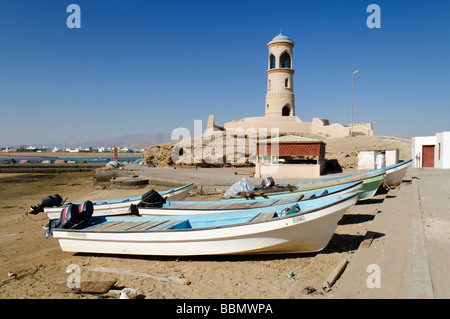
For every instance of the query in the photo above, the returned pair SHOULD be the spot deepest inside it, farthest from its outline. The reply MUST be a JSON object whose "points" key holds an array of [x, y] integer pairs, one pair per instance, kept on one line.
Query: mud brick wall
{"points": [[293, 149]]}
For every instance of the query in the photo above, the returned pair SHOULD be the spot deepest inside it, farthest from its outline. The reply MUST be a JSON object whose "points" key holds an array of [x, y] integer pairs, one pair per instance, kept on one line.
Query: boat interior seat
{"points": [[264, 216], [308, 197], [131, 226], [171, 224]]}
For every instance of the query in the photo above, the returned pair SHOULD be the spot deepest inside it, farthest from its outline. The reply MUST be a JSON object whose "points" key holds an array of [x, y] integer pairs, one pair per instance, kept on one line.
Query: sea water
{"points": [[74, 159]]}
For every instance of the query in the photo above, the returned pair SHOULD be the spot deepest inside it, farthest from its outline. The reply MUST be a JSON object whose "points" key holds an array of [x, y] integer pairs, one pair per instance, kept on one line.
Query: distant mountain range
{"points": [[132, 141]]}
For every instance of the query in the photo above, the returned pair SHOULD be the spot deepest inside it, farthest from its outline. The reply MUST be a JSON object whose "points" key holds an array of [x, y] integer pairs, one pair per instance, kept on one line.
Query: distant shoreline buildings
{"points": [[80, 149]]}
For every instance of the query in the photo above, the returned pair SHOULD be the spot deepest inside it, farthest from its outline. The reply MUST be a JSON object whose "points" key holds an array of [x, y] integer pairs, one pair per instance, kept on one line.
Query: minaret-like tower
{"points": [[280, 88]]}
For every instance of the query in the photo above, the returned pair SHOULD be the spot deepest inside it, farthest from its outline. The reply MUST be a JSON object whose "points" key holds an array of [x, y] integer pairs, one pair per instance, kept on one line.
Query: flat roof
{"points": [[291, 139]]}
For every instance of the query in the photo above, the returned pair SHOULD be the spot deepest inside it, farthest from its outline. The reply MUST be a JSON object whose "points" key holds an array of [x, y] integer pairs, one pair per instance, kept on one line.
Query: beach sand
{"points": [[24, 250], [41, 266]]}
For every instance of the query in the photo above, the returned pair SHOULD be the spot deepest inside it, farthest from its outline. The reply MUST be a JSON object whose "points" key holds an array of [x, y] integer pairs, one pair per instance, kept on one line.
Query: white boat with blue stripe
{"points": [[120, 206], [172, 208], [302, 227]]}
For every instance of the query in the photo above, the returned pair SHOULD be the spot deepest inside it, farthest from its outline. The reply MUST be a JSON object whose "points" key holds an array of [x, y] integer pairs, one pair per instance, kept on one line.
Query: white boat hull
{"points": [[122, 208], [395, 175], [296, 233]]}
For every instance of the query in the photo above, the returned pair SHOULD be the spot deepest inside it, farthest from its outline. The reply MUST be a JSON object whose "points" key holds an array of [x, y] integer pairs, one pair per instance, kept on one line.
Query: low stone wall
{"points": [[48, 168]]}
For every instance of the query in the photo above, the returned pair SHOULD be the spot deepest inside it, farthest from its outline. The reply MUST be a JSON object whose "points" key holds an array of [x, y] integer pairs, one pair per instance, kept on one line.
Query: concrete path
{"points": [[409, 255], [434, 195]]}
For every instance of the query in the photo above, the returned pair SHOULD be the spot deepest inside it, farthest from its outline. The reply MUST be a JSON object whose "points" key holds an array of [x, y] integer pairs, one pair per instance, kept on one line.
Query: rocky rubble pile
{"points": [[221, 151]]}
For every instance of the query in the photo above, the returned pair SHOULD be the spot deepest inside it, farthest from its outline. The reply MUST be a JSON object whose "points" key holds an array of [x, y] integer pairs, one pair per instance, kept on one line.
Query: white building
{"points": [[431, 151]]}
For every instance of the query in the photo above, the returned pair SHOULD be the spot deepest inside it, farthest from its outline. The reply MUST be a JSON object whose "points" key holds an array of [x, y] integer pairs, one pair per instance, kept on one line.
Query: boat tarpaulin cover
{"points": [[243, 185]]}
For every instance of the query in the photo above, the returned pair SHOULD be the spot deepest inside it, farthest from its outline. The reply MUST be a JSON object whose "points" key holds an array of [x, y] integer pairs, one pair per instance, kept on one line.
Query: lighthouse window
{"points": [[285, 60], [272, 61]]}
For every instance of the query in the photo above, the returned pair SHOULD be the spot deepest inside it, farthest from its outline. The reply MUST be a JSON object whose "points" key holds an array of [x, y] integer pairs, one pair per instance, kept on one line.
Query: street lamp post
{"points": [[351, 123]]}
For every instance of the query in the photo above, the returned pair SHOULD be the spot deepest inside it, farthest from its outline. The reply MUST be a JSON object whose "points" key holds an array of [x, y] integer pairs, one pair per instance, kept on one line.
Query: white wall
{"points": [[391, 157], [416, 148], [442, 150], [366, 160], [298, 171]]}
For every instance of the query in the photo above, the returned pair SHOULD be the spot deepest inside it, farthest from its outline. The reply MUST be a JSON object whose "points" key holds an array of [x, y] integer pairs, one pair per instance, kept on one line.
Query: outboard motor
{"points": [[49, 201], [72, 217], [151, 199], [267, 182]]}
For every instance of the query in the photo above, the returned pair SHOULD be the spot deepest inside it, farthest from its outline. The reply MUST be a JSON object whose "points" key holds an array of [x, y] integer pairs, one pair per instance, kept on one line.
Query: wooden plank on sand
{"points": [[95, 287], [368, 238]]}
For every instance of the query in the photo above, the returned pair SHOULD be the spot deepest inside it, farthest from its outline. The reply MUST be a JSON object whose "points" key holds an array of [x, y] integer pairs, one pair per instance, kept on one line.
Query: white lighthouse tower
{"points": [[280, 99]]}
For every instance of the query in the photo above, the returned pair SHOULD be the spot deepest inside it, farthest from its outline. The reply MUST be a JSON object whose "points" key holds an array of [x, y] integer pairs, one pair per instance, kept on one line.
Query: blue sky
{"points": [[152, 66]]}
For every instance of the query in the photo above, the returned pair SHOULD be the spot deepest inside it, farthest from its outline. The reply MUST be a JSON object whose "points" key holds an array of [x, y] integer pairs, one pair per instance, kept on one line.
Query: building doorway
{"points": [[286, 111], [428, 156]]}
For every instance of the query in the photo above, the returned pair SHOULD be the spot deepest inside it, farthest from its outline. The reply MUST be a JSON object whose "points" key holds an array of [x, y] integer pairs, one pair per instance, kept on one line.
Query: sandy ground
{"points": [[41, 265]]}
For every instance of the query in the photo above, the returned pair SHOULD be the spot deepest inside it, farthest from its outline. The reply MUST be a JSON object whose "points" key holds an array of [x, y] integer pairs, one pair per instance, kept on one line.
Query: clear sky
{"points": [[152, 66]]}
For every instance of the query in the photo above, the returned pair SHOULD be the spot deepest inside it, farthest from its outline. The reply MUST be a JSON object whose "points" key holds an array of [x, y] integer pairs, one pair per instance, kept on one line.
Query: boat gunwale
{"points": [[399, 166], [173, 190]]}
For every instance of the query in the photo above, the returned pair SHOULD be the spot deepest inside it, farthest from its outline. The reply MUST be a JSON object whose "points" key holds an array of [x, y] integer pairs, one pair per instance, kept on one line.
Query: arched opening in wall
{"points": [[285, 60], [269, 84], [286, 111], [272, 61], [286, 83]]}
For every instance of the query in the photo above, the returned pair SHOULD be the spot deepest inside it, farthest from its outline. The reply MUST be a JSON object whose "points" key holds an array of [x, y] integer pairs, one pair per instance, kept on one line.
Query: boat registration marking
{"points": [[76, 235], [298, 219]]}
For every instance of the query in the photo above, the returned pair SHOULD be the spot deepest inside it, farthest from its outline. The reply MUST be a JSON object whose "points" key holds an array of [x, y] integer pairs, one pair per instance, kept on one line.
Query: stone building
{"points": [[280, 101]]}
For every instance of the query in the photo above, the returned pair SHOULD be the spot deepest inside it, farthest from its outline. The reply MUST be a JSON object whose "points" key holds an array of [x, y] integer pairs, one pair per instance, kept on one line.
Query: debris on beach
{"points": [[113, 165], [21, 274], [128, 293], [333, 277], [291, 276], [308, 290], [178, 280], [95, 287]]}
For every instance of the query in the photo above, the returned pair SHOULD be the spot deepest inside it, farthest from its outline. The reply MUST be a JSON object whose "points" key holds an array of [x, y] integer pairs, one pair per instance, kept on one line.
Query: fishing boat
{"points": [[371, 182], [303, 227], [173, 208], [395, 173], [120, 206]]}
